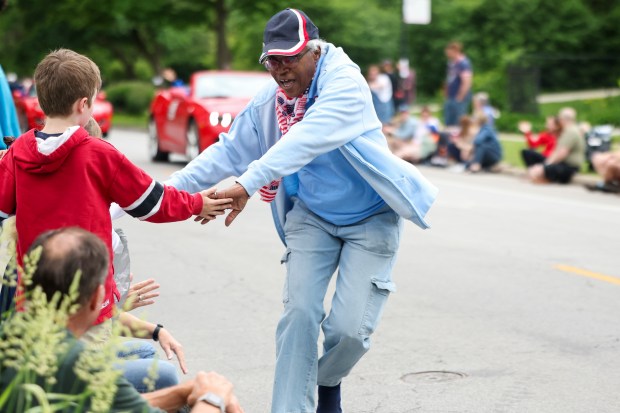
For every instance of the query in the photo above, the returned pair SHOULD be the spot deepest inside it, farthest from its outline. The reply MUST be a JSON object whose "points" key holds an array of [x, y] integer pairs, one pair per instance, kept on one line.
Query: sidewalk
{"points": [[577, 95]]}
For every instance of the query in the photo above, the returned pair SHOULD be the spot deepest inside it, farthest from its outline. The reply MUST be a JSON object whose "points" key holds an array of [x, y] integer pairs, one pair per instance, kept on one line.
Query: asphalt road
{"points": [[510, 303]]}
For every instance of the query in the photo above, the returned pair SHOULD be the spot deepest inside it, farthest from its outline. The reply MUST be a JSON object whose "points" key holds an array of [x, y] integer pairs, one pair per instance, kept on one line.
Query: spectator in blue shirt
{"points": [[487, 149], [458, 84]]}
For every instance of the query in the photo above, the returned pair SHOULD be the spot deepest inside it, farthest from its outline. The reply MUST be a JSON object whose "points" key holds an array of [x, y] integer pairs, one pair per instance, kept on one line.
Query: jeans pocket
{"points": [[382, 234], [284, 260], [379, 293]]}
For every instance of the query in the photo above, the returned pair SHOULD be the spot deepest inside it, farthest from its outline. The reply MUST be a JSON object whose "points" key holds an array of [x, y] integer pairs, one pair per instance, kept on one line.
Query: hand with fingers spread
{"points": [[239, 197], [141, 294], [213, 205]]}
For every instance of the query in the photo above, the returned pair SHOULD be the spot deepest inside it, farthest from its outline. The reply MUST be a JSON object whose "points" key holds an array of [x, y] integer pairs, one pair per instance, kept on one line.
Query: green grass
{"points": [[512, 152], [594, 111], [126, 120]]}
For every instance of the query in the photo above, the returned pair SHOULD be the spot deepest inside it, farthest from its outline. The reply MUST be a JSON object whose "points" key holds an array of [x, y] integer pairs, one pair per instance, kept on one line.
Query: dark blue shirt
{"points": [[455, 70]]}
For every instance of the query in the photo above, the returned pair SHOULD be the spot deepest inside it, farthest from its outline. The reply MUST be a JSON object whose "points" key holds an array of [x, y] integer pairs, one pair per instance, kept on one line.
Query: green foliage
{"points": [[594, 111], [143, 70], [33, 343], [507, 122], [574, 43], [35, 348], [132, 97]]}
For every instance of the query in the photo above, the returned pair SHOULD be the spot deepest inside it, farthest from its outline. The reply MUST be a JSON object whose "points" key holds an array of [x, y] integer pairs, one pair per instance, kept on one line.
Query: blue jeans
{"points": [[486, 155], [364, 253], [453, 110], [138, 357]]}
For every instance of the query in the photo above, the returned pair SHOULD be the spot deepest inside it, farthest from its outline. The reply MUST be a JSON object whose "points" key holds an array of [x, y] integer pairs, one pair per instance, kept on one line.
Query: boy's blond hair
{"points": [[62, 78], [93, 128]]}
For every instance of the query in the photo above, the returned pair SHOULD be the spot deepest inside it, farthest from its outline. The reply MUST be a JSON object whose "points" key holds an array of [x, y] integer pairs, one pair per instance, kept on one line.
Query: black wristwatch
{"points": [[214, 400], [156, 332]]}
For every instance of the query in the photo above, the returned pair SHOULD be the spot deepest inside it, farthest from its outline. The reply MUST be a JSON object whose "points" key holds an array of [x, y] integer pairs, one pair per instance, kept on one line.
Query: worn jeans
{"points": [[364, 254], [140, 357]]}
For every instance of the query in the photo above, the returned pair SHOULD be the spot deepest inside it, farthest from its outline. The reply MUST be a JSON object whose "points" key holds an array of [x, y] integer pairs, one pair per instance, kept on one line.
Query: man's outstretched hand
{"points": [[239, 198], [234, 198]]}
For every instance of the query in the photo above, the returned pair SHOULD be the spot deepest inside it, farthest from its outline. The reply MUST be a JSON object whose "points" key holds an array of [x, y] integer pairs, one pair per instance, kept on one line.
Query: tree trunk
{"points": [[223, 52], [125, 60], [148, 48]]}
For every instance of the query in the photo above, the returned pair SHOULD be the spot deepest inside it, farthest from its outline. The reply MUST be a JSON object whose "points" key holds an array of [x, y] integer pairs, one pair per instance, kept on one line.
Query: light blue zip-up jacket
{"points": [[341, 116]]}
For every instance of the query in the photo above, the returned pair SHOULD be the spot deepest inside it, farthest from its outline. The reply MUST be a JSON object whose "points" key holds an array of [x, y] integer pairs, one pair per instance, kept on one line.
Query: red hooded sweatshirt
{"points": [[71, 180]]}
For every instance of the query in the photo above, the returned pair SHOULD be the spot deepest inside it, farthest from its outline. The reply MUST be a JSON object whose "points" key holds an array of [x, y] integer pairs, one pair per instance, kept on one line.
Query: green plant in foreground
{"points": [[33, 344]]}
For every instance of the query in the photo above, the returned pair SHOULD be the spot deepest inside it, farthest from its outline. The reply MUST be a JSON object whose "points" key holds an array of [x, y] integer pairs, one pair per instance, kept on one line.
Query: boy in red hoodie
{"points": [[60, 176]]}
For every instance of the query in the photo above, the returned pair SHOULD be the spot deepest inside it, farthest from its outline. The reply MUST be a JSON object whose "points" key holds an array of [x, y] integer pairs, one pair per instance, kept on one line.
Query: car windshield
{"points": [[229, 85]]}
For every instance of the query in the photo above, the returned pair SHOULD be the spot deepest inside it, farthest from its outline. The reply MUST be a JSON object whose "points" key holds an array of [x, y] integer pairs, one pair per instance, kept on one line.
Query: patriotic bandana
{"points": [[289, 112]]}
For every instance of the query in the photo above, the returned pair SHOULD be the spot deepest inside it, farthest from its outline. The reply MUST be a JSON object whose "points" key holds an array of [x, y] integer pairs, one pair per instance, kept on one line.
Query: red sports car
{"points": [[31, 116], [186, 120]]}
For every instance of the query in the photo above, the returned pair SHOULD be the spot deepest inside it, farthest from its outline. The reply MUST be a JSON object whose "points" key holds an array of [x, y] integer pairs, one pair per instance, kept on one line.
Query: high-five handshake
{"points": [[217, 202]]}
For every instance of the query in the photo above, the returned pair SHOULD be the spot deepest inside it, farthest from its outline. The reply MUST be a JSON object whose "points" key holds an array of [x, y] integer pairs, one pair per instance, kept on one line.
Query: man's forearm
{"points": [[465, 86], [170, 399]]}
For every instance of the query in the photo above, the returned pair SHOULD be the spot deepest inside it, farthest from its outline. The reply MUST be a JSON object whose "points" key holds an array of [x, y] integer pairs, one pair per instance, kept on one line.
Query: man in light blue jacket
{"points": [[311, 144]]}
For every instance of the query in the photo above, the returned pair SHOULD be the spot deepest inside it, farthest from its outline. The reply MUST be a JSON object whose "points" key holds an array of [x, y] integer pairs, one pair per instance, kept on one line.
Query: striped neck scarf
{"points": [[289, 112]]}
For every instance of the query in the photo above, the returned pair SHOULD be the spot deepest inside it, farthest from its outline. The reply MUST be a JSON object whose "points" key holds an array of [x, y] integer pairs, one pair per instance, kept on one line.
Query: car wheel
{"points": [[155, 152], [192, 150]]}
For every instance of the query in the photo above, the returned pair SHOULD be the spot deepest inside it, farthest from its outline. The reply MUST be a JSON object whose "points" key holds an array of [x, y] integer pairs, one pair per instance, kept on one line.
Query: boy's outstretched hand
{"points": [[212, 206]]}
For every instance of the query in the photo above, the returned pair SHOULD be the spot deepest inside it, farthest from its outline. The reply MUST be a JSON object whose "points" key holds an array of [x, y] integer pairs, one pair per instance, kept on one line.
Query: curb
{"points": [[578, 179]]}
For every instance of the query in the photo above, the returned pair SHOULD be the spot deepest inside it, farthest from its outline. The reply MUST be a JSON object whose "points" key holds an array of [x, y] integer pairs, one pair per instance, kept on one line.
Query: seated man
{"points": [[63, 253], [568, 156]]}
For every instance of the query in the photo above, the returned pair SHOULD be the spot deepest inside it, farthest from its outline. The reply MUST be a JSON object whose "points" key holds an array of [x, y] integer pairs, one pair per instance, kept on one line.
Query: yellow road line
{"points": [[589, 274]]}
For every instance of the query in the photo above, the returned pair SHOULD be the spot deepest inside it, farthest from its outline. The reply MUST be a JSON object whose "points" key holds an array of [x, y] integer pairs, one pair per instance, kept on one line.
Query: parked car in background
{"points": [[188, 119], [31, 115]]}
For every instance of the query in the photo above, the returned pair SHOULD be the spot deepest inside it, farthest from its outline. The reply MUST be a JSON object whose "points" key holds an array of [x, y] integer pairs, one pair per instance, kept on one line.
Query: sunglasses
{"points": [[275, 62]]}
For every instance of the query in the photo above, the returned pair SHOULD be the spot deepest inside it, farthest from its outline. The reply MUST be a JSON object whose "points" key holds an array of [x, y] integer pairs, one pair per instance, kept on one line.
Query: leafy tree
{"points": [[574, 43]]}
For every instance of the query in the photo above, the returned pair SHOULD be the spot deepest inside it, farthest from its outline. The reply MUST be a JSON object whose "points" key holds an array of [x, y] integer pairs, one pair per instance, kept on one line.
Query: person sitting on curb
{"points": [[607, 165], [487, 152], [568, 156], [414, 140], [546, 139], [64, 253]]}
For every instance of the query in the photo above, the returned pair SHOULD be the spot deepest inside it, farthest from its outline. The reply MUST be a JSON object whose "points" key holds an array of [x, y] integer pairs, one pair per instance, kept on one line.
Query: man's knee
{"points": [[302, 313]]}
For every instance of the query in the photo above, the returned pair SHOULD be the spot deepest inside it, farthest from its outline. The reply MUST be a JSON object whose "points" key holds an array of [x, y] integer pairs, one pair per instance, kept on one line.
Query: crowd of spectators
{"points": [[468, 140]]}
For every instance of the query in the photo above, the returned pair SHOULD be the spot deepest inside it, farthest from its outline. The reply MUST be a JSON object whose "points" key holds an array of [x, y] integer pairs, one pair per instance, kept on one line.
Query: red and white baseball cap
{"points": [[287, 33]]}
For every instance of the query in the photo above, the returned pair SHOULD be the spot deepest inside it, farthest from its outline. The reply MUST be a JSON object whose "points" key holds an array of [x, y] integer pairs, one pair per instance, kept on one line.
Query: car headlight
{"points": [[226, 120], [214, 118]]}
